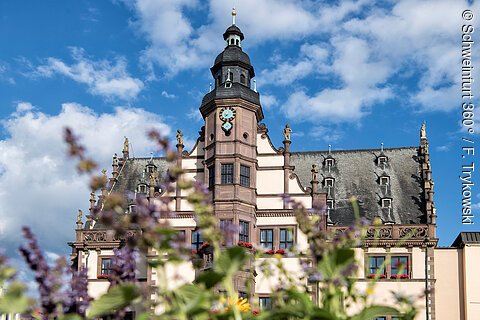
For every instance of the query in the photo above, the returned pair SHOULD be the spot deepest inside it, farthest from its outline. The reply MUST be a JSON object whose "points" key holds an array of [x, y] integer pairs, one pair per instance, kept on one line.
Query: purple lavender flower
{"points": [[123, 266]]}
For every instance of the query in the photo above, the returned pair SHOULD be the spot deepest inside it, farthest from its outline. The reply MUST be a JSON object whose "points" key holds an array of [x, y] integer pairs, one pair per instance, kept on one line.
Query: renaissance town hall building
{"points": [[247, 176]]}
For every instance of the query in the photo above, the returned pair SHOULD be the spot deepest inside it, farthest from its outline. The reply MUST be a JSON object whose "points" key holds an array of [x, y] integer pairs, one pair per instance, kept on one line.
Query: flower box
{"points": [[244, 244], [103, 276], [280, 251], [270, 252], [399, 276], [374, 275]]}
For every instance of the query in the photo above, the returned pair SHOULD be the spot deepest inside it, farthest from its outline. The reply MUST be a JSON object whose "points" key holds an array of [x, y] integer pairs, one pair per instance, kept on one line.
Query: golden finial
{"points": [[234, 13]]}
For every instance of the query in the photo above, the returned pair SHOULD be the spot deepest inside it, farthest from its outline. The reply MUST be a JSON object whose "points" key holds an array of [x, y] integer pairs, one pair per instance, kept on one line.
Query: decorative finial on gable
{"points": [[126, 146], [381, 148], [423, 131], [286, 132], [329, 148], [179, 137]]}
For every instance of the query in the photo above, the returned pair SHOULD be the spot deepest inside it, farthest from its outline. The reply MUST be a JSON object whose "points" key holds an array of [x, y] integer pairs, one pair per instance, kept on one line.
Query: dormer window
{"points": [[382, 160], [142, 188], [131, 208], [384, 181], [386, 203], [330, 204], [329, 182], [329, 162]]}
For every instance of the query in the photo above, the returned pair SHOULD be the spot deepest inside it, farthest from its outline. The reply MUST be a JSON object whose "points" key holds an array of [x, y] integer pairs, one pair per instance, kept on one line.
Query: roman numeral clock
{"points": [[227, 114]]}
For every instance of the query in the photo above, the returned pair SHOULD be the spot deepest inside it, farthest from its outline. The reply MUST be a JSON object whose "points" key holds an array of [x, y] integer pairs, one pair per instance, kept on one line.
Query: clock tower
{"points": [[232, 112]]}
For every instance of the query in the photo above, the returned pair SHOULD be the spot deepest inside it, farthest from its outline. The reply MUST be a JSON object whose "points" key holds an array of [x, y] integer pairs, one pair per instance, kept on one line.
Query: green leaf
{"points": [[375, 311], [210, 278], [118, 297], [344, 256], [194, 298], [70, 316], [13, 300], [231, 260]]}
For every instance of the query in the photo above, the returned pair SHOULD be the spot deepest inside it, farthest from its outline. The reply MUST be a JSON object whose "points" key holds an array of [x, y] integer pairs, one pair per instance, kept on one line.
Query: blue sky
{"points": [[352, 74]]}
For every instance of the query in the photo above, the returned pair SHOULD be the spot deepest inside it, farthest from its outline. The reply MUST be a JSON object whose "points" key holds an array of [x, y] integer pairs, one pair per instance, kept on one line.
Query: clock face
{"points": [[227, 114]]}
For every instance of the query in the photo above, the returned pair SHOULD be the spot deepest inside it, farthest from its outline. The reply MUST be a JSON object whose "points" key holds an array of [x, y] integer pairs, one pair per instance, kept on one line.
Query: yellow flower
{"points": [[241, 303], [370, 290]]}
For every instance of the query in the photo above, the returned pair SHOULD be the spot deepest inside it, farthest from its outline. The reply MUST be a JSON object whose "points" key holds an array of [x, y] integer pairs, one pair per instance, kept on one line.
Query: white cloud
{"points": [[103, 78], [39, 186], [268, 100], [361, 80], [176, 45], [24, 106], [168, 95]]}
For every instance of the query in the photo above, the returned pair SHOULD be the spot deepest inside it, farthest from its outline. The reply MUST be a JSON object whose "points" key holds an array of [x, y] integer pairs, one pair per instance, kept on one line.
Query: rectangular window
{"points": [[265, 303], [400, 265], [211, 176], [286, 238], [105, 266], [266, 239], [226, 227], [376, 264], [244, 176], [227, 173], [244, 231], [197, 239], [381, 318]]}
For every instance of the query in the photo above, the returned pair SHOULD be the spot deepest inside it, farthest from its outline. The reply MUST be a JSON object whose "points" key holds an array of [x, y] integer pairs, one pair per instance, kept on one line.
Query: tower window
{"points": [[286, 238], [227, 173], [197, 240], [242, 79], [244, 231], [237, 42], [266, 238], [244, 176], [211, 176]]}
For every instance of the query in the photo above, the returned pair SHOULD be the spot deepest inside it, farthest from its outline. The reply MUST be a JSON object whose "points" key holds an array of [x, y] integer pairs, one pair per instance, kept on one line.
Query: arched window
{"points": [[237, 42], [242, 79]]}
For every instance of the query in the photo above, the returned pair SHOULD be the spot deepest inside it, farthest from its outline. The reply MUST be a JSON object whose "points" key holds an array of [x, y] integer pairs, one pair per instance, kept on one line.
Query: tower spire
{"points": [[234, 14]]}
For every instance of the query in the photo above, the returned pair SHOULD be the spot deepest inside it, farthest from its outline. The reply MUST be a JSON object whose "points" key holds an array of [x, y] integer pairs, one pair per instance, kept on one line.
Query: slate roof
{"points": [[237, 90], [465, 238], [356, 173], [233, 29], [132, 171], [232, 55]]}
